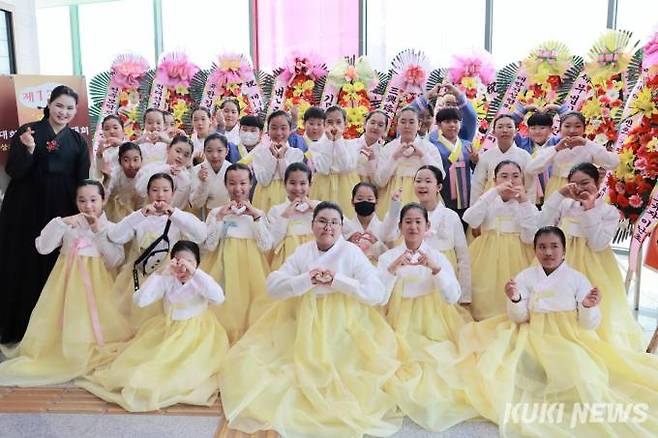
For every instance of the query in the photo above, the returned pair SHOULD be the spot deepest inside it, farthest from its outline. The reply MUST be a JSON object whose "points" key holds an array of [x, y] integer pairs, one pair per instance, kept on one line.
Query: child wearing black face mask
{"points": [[366, 230]]}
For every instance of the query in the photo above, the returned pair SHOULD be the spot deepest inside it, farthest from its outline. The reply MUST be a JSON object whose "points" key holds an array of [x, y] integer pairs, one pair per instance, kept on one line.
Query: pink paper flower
{"points": [[651, 52], [176, 70], [128, 69], [635, 201], [477, 64], [308, 64], [620, 188]]}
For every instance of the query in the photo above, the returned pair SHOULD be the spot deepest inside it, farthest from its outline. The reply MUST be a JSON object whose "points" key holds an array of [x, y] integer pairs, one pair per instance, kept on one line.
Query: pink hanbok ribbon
{"points": [[78, 244]]}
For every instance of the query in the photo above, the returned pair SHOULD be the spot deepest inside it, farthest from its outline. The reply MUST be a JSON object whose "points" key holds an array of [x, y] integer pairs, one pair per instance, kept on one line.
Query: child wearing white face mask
{"points": [[251, 128]]}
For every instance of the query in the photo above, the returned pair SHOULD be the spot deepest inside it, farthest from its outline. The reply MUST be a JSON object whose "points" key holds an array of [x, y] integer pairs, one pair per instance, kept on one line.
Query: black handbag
{"points": [[152, 257]]}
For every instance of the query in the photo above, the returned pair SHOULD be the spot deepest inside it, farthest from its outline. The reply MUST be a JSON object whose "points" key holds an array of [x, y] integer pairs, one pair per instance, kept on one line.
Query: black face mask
{"points": [[364, 208]]}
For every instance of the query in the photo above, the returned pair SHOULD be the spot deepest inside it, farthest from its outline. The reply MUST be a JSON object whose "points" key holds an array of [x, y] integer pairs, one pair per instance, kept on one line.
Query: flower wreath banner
{"points": [[632, 186], [349, 85], [600, 90], [117, 92], [475, 75], [170, 90], [295, 84], [408, 77], [233, 77]]}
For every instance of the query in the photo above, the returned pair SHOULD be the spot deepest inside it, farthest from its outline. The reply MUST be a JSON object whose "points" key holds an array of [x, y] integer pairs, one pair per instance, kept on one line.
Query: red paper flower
{"points": [[52, 146]]}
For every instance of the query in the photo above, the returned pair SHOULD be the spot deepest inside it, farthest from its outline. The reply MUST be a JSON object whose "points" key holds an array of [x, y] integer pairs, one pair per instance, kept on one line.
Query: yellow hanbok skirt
{"points": [[124, 288], [428, 386], [385, 193], [552, 360], [167, 362], [618, 326], [119, 205], [554, 184], [287, 247], [336, 187], [496, 258], [266, 197], [313, 366], [241, 269], [61, 342]]}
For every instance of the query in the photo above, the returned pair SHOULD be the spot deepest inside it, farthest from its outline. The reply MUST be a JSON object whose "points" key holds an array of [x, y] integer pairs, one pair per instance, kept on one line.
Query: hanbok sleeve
{"points": [[322, 155], [478, 179], [124, 231], [469, 118], [200, 190], [51, 236], [365, 286], [433, 157], [463, 260], [527, 216], [206, 286], [112, 253], [142, 179], [182, 194], [384, 172], [189, 225], [293, 155], [263, 237], [290, 280], [153, 289], [214, 231], [387, 279], [476, 213], [390, 223], [551, 210], [265, 166], [602, 157], [589, 318], [83, 160], [445, 279], [346, 159], [20, 160], [520, 312], [541, 161], [600, 224], [277, 226]]}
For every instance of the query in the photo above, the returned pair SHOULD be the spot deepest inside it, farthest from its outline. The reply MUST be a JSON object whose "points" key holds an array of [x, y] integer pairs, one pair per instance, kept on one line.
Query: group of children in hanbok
{"points": [[329, 289]]}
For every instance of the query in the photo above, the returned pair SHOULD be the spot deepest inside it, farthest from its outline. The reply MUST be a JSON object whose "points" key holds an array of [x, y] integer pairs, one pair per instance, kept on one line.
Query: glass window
{"points": [[518, 27], [109, 29], [328, 28], [5, 42], [437, 28], [54, 35], [204, 29], [638, 16]]}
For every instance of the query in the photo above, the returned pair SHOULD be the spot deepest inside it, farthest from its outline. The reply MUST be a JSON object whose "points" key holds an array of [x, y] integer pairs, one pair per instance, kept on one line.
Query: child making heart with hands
{"points": [[366, 231], [422, 311], [508, 221], [290, 223], [590, 224], [77, 313], [237, 239]]}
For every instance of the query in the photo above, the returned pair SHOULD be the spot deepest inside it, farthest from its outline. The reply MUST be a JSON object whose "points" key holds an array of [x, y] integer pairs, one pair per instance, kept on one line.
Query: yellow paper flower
{"points": [[179, 109], [591, 108], [652, 146], [469, 82], [644, 103], [182, 90]]}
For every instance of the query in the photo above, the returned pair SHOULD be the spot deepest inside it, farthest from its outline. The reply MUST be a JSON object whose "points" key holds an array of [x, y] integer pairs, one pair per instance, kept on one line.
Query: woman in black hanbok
{"points": [[46, 161]]}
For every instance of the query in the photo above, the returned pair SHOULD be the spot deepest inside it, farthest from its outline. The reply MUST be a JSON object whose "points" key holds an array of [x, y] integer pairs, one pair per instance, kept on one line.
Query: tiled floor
{"points": [[66, 412]]}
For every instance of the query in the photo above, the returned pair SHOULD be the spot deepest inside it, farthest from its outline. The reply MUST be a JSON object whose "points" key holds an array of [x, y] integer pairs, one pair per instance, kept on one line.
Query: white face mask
{"points": [[248, 138]]}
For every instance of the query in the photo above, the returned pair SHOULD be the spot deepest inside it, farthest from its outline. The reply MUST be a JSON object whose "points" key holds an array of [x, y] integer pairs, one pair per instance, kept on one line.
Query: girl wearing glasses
{"points": [[316, 363], [590, 223]]}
